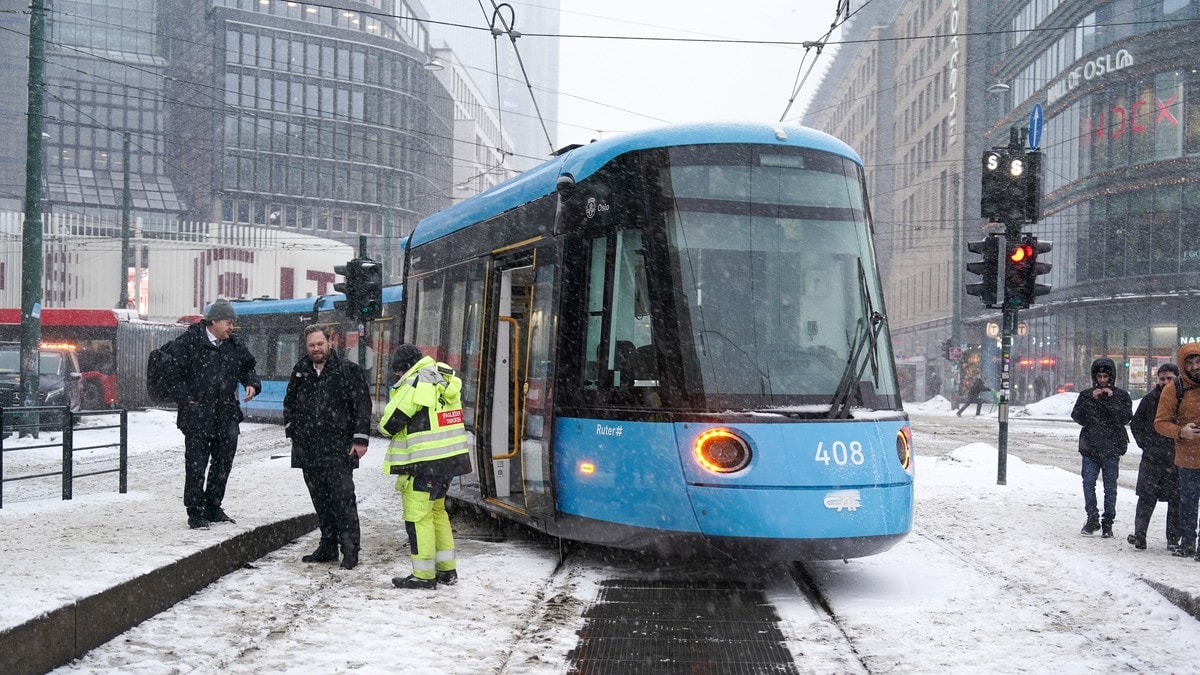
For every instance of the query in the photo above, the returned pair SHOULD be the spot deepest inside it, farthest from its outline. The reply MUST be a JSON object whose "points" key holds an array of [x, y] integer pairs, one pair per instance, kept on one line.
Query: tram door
{"points": [[519, 431]]}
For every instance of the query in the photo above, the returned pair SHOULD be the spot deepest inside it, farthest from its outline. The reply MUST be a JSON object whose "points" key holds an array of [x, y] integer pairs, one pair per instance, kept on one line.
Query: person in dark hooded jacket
{"points": [[1158, 479], [327, 414], [208, 362], [1102, 410]]}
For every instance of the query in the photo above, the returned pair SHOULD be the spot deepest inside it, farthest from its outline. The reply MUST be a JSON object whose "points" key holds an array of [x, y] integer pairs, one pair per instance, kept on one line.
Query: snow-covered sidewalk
{"points": [[993, 578]]}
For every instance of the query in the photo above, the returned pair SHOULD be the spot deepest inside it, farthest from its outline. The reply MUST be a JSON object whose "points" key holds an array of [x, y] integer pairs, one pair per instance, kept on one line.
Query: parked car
{"points": [[59, 379]]}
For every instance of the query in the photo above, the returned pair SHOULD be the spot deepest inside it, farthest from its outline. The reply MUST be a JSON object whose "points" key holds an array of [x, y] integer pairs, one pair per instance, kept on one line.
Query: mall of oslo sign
{"points": [[1087, 71]]}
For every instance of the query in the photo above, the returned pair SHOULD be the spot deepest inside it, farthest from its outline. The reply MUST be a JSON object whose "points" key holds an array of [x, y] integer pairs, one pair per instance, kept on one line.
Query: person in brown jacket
{"points": [[1177, 417]]}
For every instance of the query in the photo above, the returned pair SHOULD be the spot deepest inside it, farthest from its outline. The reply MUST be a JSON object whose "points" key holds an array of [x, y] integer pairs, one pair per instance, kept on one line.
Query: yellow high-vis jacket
{"points": [[424, 418]]}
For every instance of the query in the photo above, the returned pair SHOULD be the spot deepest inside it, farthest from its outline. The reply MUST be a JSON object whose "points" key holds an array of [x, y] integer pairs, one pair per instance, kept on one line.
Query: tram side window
{"points": [[428, 319], [595, 311], [460, 331], [626, 359], [287, 352], [470, 349], [446, 325]]}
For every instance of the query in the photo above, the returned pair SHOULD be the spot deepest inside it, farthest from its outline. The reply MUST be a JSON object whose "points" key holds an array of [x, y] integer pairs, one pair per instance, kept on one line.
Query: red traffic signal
{"points": [[1022, 269], [1021, 253]]}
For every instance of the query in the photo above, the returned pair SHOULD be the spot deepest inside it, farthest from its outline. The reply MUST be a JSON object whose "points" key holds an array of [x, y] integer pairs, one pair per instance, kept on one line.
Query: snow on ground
{"points": [[994, 578]]}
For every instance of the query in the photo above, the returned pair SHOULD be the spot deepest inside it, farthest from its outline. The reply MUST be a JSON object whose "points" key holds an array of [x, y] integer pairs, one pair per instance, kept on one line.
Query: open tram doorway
{"points": [[520, 404]]}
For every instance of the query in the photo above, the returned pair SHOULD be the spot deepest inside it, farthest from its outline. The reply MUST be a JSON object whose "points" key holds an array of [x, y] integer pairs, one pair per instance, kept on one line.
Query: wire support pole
{"points": [[31, 249]]}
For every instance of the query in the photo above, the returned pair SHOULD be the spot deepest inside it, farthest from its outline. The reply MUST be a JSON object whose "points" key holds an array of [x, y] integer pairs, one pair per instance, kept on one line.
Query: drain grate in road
{"points": [[637, 627]]}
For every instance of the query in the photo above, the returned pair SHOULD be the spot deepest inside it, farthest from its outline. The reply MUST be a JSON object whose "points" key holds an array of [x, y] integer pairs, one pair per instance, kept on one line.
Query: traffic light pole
{"points": [[1006, 341], [362, 329], [1011, 193]]}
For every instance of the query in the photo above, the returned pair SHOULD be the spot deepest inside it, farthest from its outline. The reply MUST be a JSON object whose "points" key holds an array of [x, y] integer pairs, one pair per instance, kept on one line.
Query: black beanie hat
{"points": [[404, 357]]}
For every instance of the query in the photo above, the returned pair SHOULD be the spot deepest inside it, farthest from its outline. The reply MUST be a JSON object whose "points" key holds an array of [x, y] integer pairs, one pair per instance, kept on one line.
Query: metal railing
{"points": [[28, 421]]}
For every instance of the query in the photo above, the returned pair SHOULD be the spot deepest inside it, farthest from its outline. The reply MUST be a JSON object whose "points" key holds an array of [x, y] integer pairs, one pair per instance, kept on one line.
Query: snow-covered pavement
{"points": [[993, 578]]}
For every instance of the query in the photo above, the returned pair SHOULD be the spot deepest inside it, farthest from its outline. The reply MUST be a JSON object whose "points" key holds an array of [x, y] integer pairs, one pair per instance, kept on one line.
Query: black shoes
{"points": [[197, 523], [349, 560], [448, 578], [1106, 531], [323, 554], [1185, 552], [413, 582], [1138, 541], [218, 515], [1091, 526]]}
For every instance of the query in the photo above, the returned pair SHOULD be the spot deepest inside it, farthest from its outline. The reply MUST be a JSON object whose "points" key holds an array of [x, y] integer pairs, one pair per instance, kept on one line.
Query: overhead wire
{"points": [[843, 8], [509, 29]]}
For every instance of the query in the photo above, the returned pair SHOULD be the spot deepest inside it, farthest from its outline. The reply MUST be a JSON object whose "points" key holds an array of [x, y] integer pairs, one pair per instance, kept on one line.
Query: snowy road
{"points": [[993, 579], [1051, 442]]}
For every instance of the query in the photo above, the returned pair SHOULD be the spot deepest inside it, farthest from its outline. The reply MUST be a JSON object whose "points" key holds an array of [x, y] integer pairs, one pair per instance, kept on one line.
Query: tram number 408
{"points": [[840, 453]]}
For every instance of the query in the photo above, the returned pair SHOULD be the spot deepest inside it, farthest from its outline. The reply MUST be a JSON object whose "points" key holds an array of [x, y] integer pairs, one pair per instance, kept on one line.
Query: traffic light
{"points": [[370, 290], [988, 269], [1012, 186], [347, 288], [1039, 268], [363, 289], [1021, 270]]}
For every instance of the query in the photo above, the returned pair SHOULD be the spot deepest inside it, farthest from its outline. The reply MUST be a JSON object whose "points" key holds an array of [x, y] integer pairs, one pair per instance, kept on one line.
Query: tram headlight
{"points": [[904, 447], [722, 451]]}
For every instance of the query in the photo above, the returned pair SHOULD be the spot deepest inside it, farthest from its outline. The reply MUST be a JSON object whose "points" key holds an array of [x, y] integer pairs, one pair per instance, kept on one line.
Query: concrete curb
{"points": [[57, 637], [1185, 601]]}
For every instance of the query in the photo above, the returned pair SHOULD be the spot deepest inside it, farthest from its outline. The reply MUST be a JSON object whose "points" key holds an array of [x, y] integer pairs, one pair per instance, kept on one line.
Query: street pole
{"points": [[362, 328], [955, 298], [1012, 232], [126, 207], [387, 229], [1006, 340], [31, 233]]}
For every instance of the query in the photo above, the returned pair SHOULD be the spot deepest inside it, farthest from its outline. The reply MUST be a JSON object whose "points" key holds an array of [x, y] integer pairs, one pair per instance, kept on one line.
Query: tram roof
{"points": [[257, 306], [585, 160]]}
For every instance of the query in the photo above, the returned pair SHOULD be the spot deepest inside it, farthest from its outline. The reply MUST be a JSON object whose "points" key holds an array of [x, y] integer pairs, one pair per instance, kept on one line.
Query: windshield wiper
{"points": [[866, 335]]}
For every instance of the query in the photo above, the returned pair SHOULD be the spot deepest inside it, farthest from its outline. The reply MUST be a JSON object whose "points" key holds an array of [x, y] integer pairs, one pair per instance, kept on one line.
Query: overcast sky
{"points": [[620, 85]]}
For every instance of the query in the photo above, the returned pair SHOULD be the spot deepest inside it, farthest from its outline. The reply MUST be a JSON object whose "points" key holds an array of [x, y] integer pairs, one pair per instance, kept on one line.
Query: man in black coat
{"points": [[974, 395], [1158, 479], [1103, 411], [327, 414], [208, 363]]}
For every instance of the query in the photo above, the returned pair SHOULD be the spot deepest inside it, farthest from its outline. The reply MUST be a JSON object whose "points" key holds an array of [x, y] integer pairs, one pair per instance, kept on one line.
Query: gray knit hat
{"points": [[220, 310]]}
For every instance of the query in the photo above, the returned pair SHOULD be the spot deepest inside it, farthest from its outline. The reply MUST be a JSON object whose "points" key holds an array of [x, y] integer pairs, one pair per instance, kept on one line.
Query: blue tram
{"points": [[674, 341], [274, 332]]}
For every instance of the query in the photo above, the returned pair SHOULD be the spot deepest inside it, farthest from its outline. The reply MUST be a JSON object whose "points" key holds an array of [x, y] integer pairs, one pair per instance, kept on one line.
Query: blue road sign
{"points": [[1035, 126]]}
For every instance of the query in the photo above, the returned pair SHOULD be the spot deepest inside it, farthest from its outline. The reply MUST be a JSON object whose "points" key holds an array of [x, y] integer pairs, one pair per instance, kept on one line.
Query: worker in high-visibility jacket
{"points": [[424, 419]]}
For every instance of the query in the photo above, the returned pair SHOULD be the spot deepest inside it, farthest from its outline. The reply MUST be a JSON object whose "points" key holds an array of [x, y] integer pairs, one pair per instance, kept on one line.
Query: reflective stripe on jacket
{"points": [[424, 417]]}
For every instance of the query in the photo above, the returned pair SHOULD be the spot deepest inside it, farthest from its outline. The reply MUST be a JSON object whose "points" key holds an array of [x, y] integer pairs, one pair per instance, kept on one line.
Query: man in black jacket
{"points": [[1158, 479], [208, 363], [327, 414], [1103, 411]]}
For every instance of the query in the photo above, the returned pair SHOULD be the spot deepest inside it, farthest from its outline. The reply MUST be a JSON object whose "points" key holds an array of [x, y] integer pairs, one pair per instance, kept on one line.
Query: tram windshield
{"points": [[777, 287]]}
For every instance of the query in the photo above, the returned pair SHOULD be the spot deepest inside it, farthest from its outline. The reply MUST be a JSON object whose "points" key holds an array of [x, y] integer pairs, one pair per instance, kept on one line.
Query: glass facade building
{"points": [[276, 114], [328, 122], [104, 81], [1118, 84]]}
